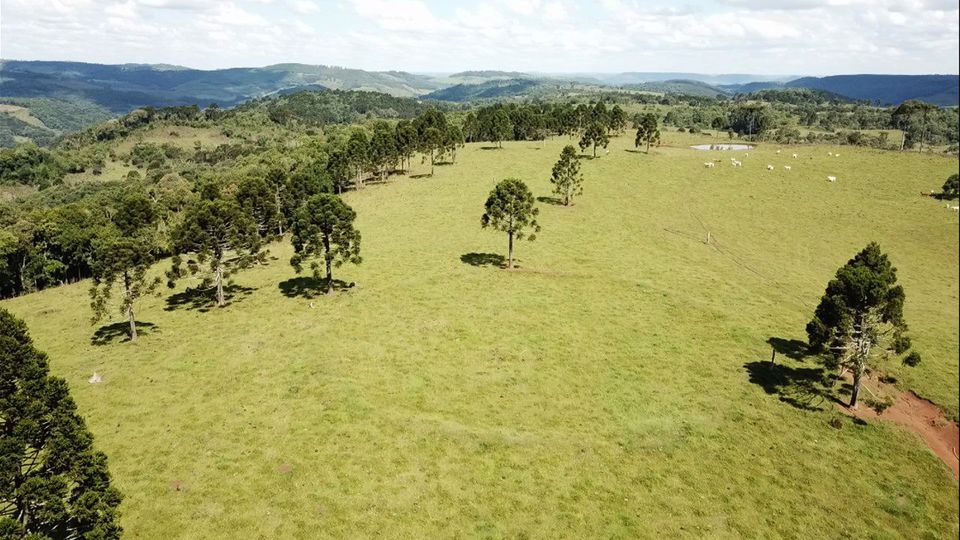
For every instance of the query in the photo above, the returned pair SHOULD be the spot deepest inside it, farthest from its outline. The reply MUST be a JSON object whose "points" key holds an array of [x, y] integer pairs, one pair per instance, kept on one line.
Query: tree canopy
{"points": [[53, 482], [861, 308], [510, 208], [566, 178], [323, 229]]}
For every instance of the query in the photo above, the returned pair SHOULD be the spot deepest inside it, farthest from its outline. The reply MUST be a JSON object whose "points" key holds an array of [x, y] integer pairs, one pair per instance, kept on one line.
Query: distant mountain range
{"points": [[37, 94]]}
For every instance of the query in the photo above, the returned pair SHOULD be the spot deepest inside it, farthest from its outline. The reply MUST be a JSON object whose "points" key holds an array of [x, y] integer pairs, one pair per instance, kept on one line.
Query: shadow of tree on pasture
{"points": [[203, 300], [120, 332], [550, 200], [791, 348], [484, 259], [806, 388], [309, 287]]}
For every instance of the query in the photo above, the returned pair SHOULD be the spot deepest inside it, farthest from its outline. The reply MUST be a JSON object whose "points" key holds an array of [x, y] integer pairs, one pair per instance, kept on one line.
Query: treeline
{"points": [[533, 122], [922, 124], [50, 238]]}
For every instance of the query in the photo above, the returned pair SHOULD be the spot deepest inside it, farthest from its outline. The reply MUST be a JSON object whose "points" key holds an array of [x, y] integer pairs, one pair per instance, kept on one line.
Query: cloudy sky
{"points": [[815, 37]]}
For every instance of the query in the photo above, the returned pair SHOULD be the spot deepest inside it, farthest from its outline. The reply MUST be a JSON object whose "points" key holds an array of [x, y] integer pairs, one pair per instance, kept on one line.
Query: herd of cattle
{"points": [[737, 163]]}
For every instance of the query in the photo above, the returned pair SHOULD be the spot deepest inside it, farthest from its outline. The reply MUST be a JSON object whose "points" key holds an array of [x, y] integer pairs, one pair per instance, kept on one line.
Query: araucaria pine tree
{"points": [[223, 239], [53, 483], [122, 254], [510, 209], [861, 313], [566, 178], [595, 135], [323, 229]]}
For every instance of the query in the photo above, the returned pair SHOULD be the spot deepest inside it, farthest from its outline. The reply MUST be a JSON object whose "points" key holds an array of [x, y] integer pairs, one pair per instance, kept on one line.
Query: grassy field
{"points": [[609, 387]]}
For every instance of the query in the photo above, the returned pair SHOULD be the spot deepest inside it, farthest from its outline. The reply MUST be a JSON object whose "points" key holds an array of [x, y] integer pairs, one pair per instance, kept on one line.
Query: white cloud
{"points": [[766, 36]]}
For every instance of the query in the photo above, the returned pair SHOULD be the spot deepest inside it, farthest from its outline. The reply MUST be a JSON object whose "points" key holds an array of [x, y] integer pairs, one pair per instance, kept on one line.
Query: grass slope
{"points": [[606, 388]]}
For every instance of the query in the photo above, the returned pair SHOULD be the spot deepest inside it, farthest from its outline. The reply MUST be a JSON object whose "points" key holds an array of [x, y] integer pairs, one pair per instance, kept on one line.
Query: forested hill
{"points": [[942, 90], [121, 88]]}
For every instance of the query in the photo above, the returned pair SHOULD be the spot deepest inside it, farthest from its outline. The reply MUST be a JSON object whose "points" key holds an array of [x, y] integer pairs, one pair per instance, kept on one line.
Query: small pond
{"points": [[722, 147]]}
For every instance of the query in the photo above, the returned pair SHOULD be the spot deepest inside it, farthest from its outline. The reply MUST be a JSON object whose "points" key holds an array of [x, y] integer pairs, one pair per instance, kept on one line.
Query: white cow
{"points": [[787, 168], [832, 178], [795, 156], [737, 163], [769, 167], [708, 164], [830, 154], [778, 151]]}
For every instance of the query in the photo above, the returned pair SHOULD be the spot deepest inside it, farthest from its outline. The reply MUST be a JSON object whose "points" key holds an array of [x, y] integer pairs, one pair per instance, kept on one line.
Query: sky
{"points": [[785, 37]]}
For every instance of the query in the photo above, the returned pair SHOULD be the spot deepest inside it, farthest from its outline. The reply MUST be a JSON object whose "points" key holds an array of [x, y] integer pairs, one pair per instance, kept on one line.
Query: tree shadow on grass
{"points": [[484, 259], [418, 176], [632, 151], [120, 332], [203, 300], [550, 200], [309, 287], [791, 348], [801, 387], [491, 148]]}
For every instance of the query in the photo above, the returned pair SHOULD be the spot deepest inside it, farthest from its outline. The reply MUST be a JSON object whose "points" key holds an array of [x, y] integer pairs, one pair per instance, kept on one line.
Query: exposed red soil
{"points": [[918, 415]]}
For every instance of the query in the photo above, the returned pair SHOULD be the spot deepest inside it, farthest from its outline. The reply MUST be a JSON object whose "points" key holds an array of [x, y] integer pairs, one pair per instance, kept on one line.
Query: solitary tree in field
{"points": [[323, 229], [861, 311], [648, 131], [122, 255], [566, 178], [595, 135], [53, 483], [951, 188], [510, 209], [224, 240]]}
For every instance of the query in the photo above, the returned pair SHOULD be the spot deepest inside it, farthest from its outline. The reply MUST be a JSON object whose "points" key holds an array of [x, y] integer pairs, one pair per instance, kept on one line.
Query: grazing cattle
{"points": [[830, 154], [737, 163], [795, 156], [955, 208], [832, 178], [708, 164], [769, 167], [778, 151], [787, 168], [836, 155]]}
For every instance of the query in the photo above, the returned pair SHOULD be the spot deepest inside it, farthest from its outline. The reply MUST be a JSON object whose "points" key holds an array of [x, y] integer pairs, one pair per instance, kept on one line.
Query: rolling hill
{"points": [[121, 88], [883, 89]]}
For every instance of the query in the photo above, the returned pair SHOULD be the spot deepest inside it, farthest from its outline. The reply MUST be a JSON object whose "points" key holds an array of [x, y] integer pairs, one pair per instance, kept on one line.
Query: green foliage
{"points": [[323, 229], [648, 132], [595, 135], [510, 209], [750, 119], [861, 306], [30, 165], [566, 178], [53, 483], [221, 236], [951, 188]]}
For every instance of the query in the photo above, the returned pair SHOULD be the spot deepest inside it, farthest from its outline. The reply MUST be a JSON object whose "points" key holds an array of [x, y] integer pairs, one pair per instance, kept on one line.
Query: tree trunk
{"points": [[329, 260], [276, 197], [220, 298], [594, 149], [133, 323], [130, 316], [857, 375], [431, 162], [510, 251]]}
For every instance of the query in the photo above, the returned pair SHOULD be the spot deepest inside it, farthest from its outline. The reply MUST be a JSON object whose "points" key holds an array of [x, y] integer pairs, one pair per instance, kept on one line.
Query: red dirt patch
{"points": [[917, 415], [285, 468]]}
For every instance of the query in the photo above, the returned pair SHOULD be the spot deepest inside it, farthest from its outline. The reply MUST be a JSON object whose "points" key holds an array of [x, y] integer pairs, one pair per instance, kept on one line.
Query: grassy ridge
{"points": [[599, 390]]}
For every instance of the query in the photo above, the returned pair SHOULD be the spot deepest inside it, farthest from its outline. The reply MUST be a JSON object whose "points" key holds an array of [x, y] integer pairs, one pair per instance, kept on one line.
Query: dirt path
{"points": [[917, 415]]}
